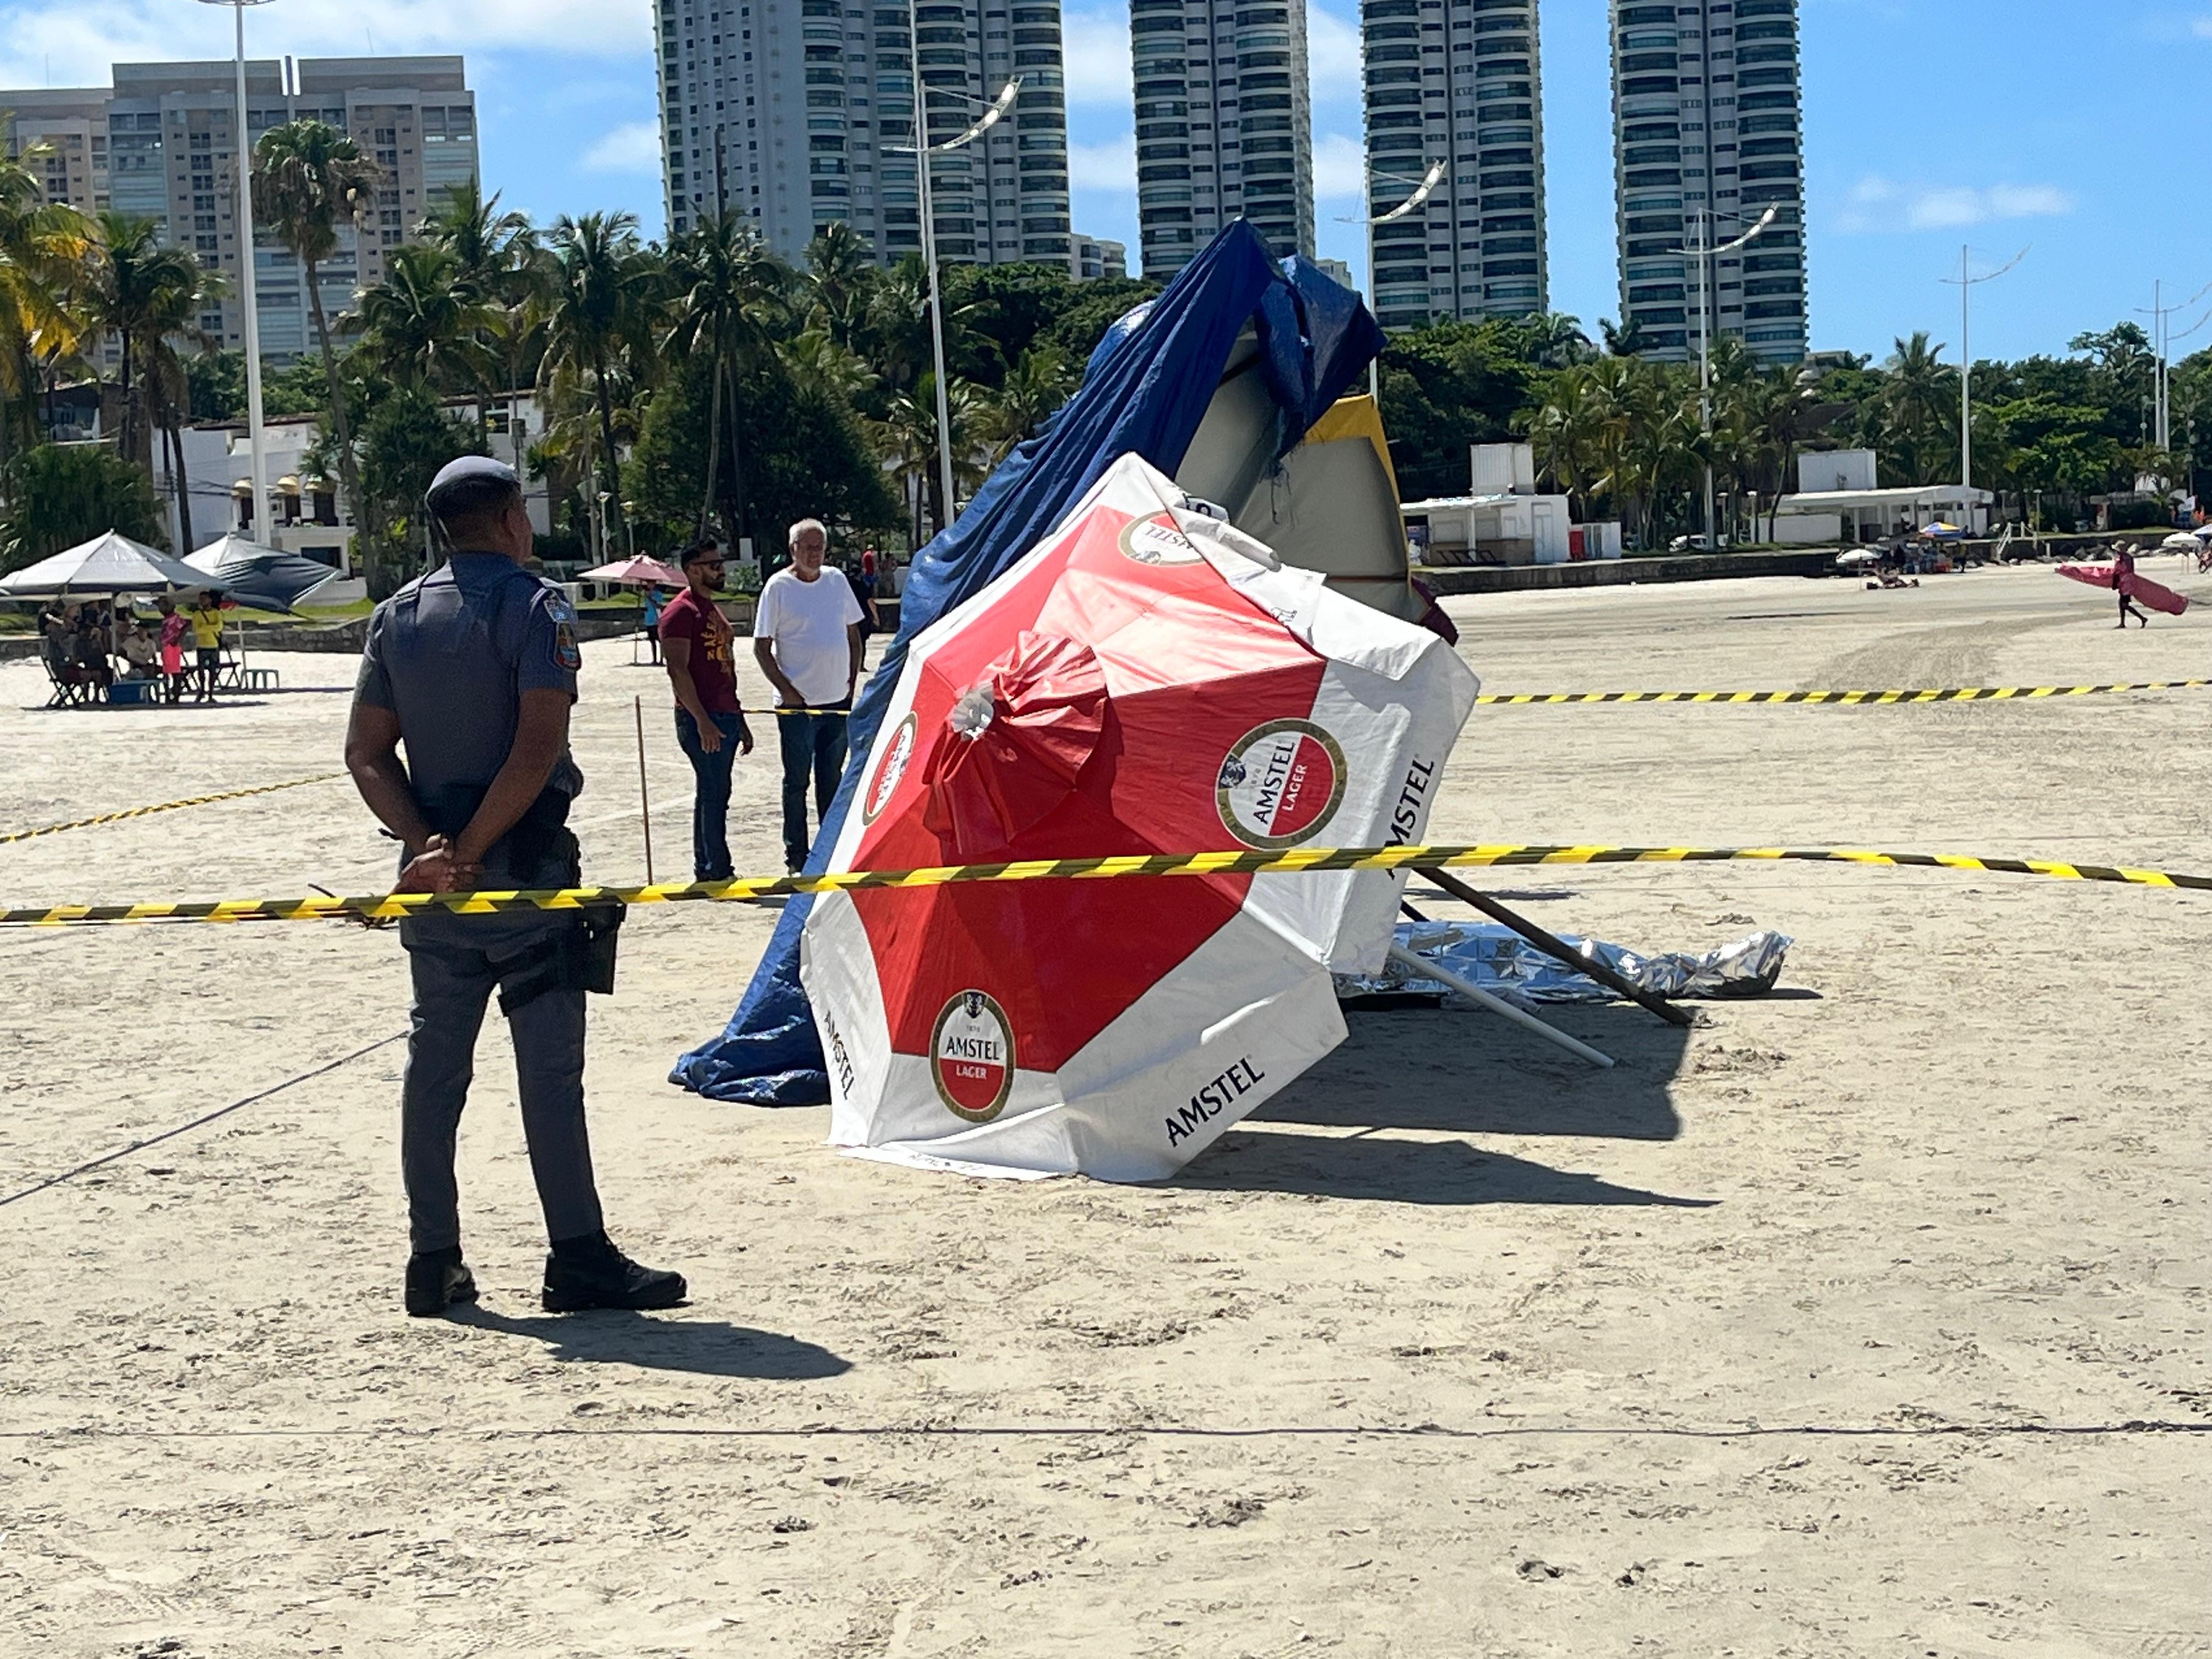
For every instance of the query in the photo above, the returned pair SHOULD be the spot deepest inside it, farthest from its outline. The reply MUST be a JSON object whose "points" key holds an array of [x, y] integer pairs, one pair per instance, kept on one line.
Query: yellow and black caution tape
{"points": [[165, 806], [743, 888], [1952, 694]]}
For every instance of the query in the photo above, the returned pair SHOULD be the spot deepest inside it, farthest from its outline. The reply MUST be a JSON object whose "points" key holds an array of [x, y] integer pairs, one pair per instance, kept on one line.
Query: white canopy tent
{"points": [[111, 563]]}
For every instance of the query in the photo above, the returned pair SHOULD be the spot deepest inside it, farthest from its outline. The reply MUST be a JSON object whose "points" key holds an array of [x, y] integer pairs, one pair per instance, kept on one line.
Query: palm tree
{"points": [[310, 183], [728, 285], [423, 323], [42, 247], [839, 282], [148, 295], [603, 288], [909, 431], [1922, 392], [488, 247], [1031, 394]]}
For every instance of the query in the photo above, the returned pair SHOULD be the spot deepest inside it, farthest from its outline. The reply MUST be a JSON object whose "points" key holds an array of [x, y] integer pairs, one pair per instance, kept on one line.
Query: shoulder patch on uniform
{"points": [[566, 651]]}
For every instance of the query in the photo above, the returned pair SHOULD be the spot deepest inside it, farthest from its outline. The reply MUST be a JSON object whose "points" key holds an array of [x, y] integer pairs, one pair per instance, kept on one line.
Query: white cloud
{"points": [[1877, 205], [42, 44], [1095, 49], [1339, 168], [2201, 28], [634, 147], [1110, 168], [1331, 55]]}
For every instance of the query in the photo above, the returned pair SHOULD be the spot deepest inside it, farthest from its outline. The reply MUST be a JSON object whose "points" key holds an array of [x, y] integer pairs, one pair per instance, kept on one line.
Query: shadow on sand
{"points": [[703, 1348], [1459, 1073]]}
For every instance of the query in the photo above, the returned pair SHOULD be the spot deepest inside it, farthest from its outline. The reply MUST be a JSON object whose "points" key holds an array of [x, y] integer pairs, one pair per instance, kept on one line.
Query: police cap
{"points": [[471, 485]]}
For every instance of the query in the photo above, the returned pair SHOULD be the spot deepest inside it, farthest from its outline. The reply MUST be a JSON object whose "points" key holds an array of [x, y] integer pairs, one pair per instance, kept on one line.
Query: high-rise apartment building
{"points": [[1225, 125], [1708, 135], [1457, 82], [798, 115], [161, 145]]}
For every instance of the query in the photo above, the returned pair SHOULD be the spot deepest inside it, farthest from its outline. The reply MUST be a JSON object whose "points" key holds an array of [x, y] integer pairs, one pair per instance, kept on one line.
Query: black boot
{"points": [[436, 1280], [590, 1273]]}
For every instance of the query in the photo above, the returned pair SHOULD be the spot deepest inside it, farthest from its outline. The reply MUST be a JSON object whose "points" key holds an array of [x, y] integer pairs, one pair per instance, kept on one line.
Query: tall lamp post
{"points": [[256, 438], [2162, 339], [1966, 282], [1422, 188], [992, 113], [1705, 254]]}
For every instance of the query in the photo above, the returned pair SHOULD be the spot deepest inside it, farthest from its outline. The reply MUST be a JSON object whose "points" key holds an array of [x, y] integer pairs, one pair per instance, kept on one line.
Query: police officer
{"points": [[473, 668]]}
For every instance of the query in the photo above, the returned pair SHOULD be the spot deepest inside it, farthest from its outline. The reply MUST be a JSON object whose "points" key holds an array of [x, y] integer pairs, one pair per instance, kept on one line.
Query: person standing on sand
{"points": [[172, 648], [710, 723], [807, 640], [2123, 571], [473, 668]]}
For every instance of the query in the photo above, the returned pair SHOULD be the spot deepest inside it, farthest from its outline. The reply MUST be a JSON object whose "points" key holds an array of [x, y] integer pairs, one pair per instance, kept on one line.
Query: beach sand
{"points": [[1868, 1320]]}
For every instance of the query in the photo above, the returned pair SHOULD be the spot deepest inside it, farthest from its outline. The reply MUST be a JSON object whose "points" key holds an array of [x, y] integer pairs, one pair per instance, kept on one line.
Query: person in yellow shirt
{"points": [[205, 621]]}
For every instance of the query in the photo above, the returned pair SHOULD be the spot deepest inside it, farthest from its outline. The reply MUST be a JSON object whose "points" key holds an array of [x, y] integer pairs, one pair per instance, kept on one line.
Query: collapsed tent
{"points": [[1149, 680], [1270, 347]]}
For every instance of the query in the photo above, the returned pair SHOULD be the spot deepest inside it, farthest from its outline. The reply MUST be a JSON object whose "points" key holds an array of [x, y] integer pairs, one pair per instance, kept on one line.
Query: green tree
{"points": [[1032, 392], [606, 288], [424, 323], [60, 494], [310, 182], [149, 296], [1446, 387], [1921, 404], [807, 455], [407, 439], [729, 293], [43, 247]]}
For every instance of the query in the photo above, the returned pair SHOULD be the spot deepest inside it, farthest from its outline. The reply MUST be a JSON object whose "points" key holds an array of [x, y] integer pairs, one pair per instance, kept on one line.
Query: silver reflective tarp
{"points": [[1499, 960]]}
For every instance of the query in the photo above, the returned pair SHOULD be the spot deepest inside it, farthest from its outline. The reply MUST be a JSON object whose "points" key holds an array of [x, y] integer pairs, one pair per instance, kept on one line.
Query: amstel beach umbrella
{"points": [[1146, 680]]}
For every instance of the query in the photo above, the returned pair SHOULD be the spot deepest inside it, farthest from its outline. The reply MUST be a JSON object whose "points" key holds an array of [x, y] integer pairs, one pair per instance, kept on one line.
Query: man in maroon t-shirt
{"points": [[694, 641]]}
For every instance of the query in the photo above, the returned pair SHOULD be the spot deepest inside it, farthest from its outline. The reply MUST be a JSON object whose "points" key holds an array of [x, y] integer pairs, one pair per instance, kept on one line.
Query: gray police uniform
{"points": [[451, 655]]}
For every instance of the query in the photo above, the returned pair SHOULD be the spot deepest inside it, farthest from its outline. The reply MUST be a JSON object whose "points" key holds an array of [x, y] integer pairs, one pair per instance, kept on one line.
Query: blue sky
{"points": [[2062, 127]]}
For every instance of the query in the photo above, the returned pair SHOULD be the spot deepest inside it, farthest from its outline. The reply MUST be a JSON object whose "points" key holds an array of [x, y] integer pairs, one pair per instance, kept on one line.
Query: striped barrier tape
{"points": [[1952, 694], [165, 806], [743, 888]]}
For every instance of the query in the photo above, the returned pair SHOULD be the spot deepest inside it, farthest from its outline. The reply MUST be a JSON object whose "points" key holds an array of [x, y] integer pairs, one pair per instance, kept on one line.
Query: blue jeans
{"points": [[813, 748], [710, 805]]}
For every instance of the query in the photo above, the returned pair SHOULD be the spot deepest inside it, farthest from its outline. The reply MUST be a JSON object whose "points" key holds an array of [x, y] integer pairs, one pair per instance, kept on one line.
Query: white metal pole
{"points": [[929, 261], [1965, 384], [1705, 363], [1422, 968], [256, 438]]}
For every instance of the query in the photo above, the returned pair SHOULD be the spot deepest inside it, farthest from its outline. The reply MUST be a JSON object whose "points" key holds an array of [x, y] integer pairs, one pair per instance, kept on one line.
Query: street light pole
{"points": [[256, 437], [923, 149], [2162, 339], [1968, 282], [1704, 252], [1423, 188]]}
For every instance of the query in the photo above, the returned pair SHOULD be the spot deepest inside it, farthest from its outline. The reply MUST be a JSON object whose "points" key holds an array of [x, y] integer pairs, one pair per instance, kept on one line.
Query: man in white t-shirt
{"points": [[807, 638]]}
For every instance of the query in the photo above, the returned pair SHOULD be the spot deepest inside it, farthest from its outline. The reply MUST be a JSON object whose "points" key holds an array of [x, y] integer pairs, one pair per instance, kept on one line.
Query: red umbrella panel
{"points": [[1148, 680]]}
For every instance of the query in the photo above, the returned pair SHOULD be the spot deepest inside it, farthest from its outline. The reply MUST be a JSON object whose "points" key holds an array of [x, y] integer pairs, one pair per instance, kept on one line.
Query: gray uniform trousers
{"points": [[456, 963]]}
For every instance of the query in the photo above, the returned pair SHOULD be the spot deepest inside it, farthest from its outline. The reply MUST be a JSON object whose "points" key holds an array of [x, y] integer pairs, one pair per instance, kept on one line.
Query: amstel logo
{"points": [[1158, 540], [888, 770], [971, 1057], [1280, 784]]}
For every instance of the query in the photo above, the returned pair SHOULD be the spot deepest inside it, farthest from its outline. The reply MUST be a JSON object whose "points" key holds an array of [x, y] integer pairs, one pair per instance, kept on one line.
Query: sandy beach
{"points": [[1870, 1319]]}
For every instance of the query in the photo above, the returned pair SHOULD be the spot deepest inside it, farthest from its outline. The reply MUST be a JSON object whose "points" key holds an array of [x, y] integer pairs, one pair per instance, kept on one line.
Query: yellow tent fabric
{"points": [[1356, 417]]}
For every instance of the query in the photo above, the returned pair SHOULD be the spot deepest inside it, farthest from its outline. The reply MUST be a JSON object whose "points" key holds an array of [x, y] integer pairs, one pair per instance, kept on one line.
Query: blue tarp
{"points": [[1146, 391]]}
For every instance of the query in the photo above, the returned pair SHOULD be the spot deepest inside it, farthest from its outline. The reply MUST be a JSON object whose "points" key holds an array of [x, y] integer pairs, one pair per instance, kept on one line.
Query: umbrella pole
{"points": [[1475, 993], [1560, 950], [644, 799]]}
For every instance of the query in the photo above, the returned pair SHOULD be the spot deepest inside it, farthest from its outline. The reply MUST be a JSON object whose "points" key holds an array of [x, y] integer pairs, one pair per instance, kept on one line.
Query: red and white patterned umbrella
{"points": [[1148, 680]]}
